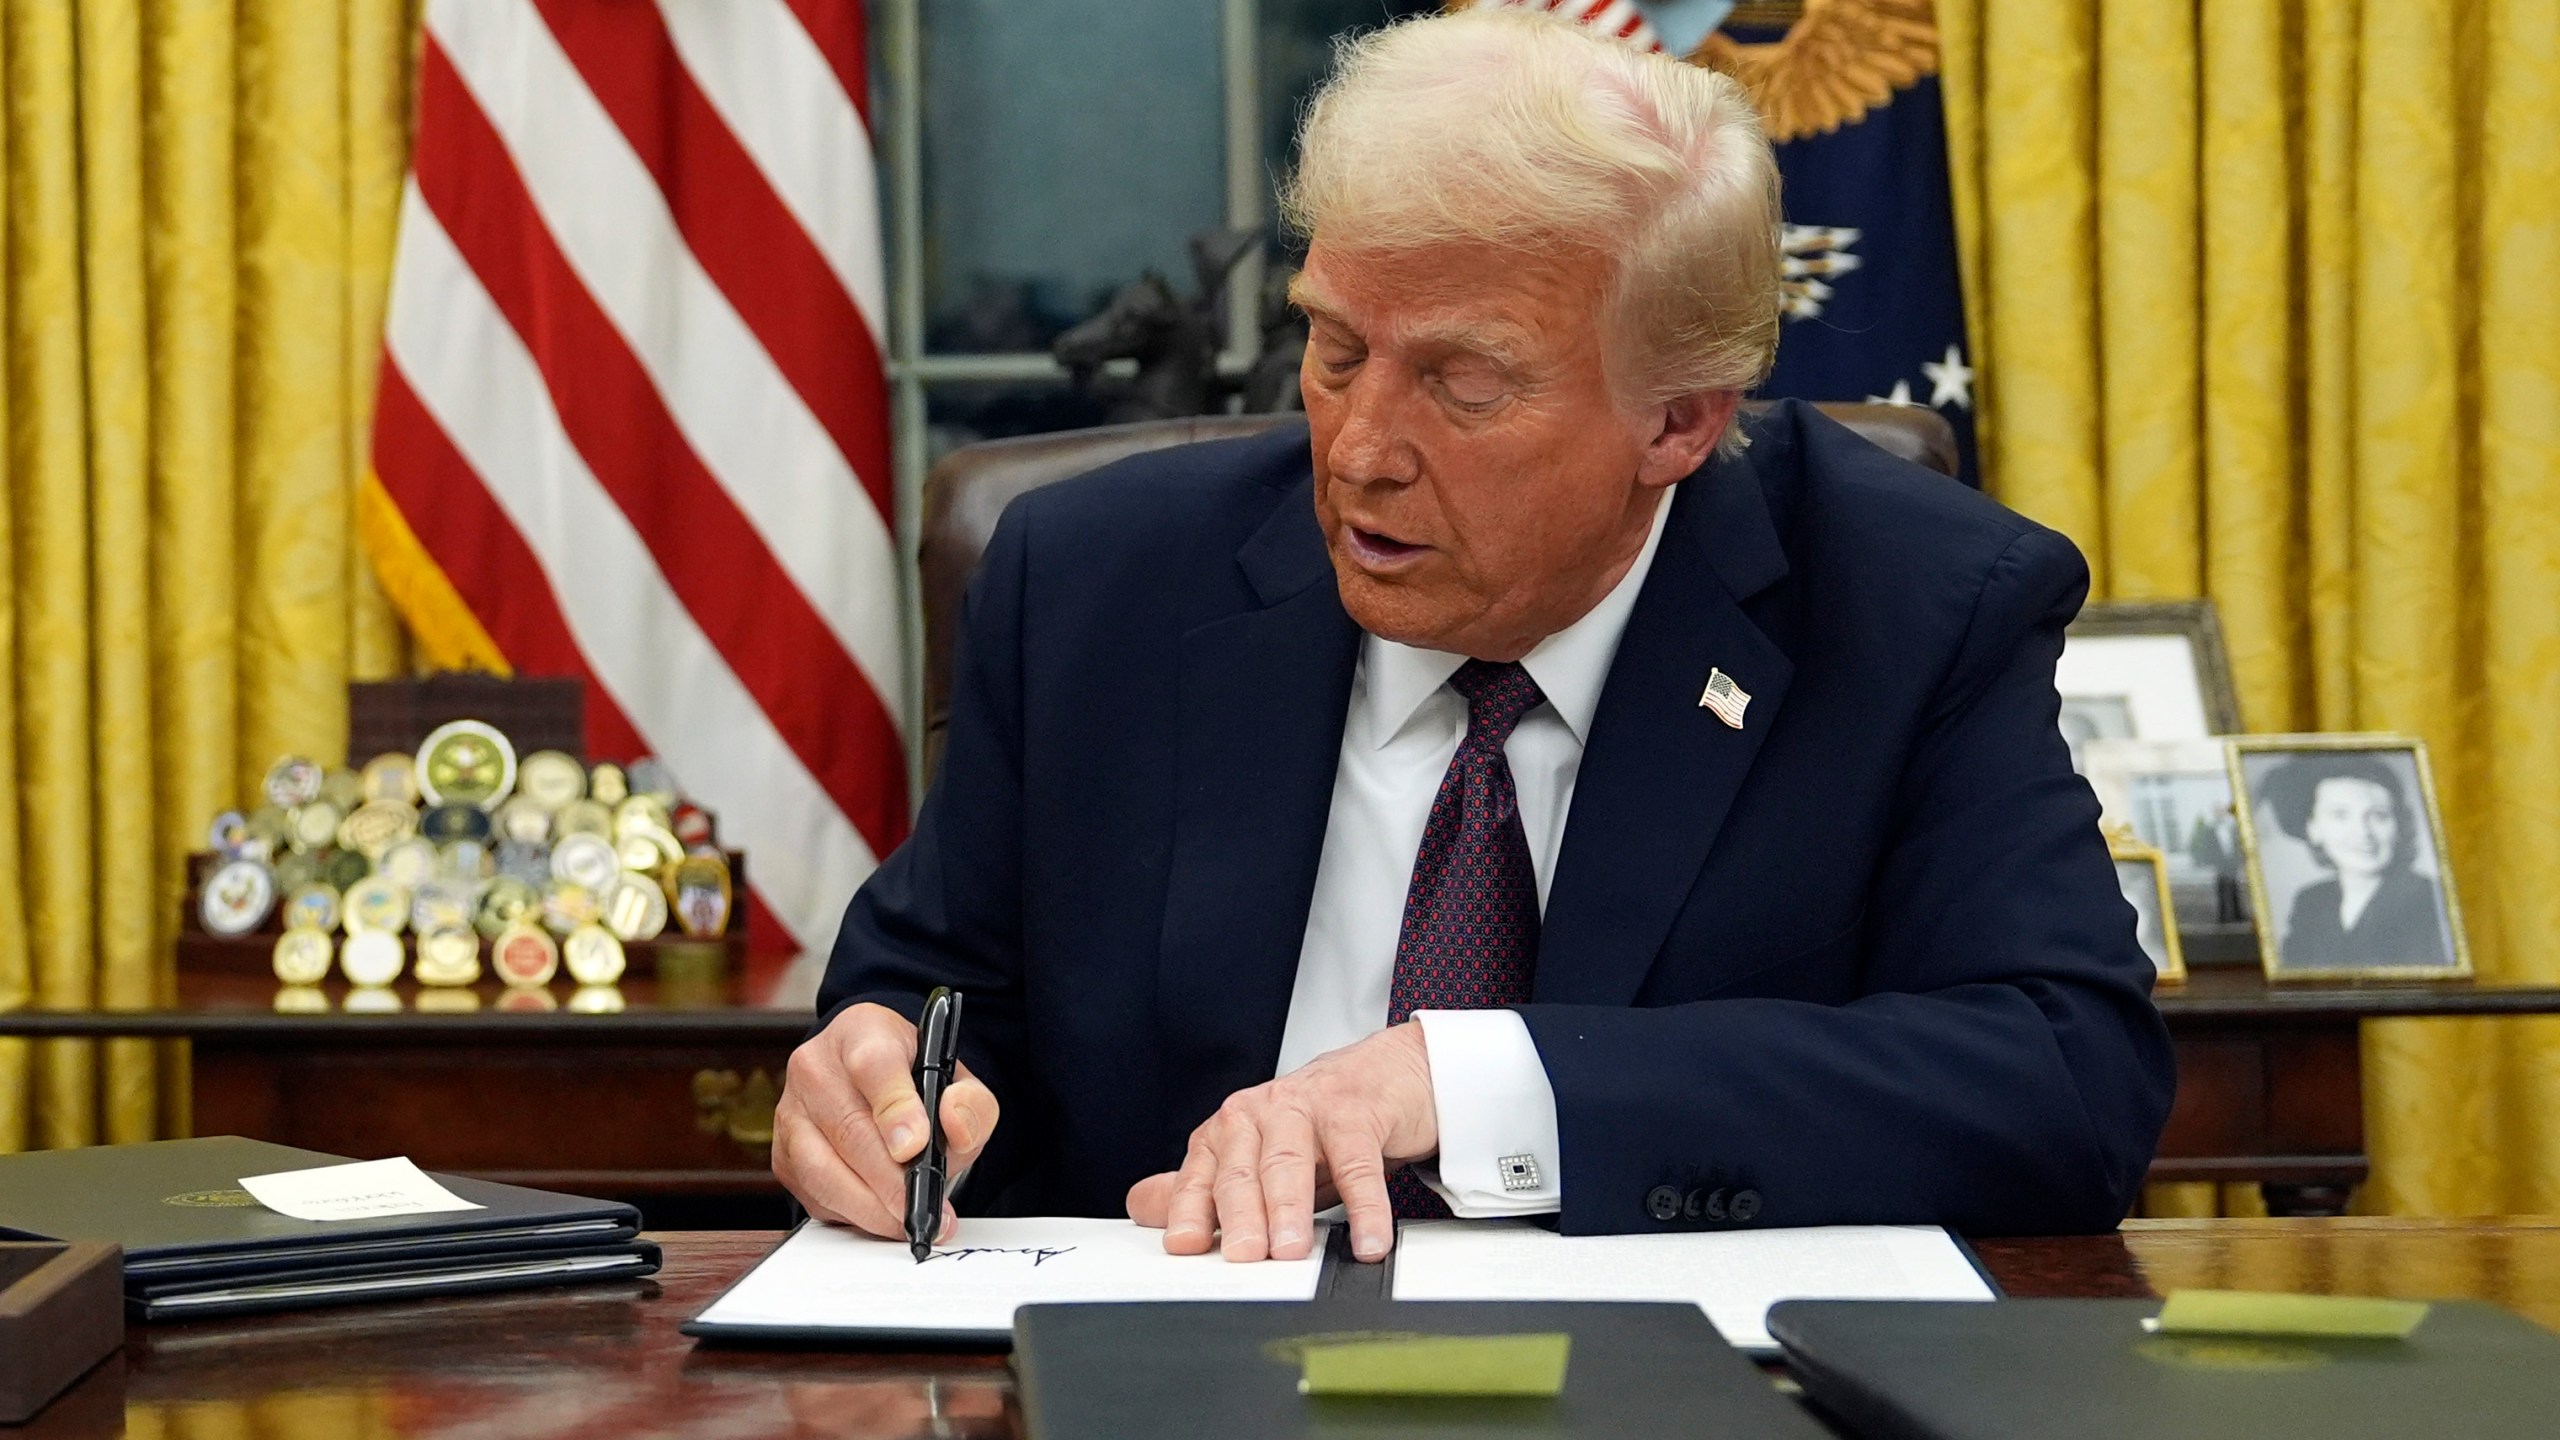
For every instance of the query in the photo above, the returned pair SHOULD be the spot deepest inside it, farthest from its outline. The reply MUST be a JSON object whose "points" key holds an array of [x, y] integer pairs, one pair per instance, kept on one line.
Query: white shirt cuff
{"points": [[1498, 1152]]}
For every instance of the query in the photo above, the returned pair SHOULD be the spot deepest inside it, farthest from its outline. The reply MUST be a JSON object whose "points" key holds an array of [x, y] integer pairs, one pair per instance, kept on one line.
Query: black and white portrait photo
{"points": [[2346, 858]]}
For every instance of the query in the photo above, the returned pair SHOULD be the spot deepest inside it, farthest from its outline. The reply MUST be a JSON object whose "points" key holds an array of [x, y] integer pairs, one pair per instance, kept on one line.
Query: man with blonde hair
{"points": [[1527, 788]]}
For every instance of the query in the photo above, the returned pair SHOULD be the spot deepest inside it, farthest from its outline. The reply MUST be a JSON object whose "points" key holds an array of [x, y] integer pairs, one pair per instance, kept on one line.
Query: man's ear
{"points": [[1688, 427]]}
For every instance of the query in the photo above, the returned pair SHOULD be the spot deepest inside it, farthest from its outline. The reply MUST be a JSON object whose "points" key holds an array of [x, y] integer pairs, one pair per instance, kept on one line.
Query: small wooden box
{"points": [[61, 1312]]}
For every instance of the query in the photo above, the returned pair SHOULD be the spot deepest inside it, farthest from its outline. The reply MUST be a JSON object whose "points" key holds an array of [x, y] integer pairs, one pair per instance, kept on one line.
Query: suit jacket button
{"points": [[1662, 1203], [1744, 1206]]}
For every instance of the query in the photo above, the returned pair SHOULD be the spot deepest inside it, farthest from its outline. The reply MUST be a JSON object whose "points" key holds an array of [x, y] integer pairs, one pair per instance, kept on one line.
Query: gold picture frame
{"points": [[2169, 965], [2252, 777]]}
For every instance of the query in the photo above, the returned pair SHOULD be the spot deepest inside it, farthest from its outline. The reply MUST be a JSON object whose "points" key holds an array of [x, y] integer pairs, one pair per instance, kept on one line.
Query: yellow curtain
{"points": [[197, 202], [2264, 297]]}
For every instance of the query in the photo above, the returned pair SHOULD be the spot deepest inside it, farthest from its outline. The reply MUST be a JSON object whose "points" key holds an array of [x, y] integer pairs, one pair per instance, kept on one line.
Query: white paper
{"points": [[1733, 1275], [364, 1190], [831, 1278]]}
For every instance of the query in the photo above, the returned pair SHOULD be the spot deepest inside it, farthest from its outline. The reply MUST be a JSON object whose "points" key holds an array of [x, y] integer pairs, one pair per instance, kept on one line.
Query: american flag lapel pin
{"points": [[1725, 698]]}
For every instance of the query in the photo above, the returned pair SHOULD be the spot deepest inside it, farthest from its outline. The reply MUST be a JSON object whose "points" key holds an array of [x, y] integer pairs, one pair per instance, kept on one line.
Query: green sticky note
{"points": [[1529, 1365], [2244, 1312]]}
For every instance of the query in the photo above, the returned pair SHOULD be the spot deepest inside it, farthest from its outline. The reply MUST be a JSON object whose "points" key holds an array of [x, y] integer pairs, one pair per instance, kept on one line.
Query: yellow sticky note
{"points": [[2245, 1312], [1528, 1365]]}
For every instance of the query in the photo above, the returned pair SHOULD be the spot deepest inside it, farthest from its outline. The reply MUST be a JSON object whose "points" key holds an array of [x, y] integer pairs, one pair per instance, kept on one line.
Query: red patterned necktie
{"points": [[1470, 936]]}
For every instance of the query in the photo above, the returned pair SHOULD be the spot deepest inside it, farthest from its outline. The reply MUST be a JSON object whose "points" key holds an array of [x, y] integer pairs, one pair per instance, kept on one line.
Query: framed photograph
{"points": [[2152, 670], [2142, 873], [2174, 796], [2346, 858]]}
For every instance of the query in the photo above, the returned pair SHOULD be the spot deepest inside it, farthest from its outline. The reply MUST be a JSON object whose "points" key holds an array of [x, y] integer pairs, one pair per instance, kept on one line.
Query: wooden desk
{"points": [[606, 1359], [662, 1098], [2270, 1078]]}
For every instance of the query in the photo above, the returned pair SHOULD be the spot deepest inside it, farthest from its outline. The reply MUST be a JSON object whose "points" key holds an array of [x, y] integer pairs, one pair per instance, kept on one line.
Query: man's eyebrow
{"points": [[1303, 296]]}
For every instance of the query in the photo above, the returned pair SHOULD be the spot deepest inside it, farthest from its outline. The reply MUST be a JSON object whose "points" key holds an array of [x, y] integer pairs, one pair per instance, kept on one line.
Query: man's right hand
{"points": [[849, 1121]]}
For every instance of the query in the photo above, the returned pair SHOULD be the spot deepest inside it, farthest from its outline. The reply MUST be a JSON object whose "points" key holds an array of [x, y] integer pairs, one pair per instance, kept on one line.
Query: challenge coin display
{"points": [[448, 955], [292, 781], [523, 956], [593, 956], [303, 954], [466, 762], [392, 777], [587, 860], [314, 905], [377, 902], [371, 957], [702, 896], [634, 908], [551, 779], [237, 897]]}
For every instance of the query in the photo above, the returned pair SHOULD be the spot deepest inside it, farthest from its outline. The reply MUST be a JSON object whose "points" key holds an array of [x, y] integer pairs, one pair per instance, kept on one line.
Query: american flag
{"points": [[1614, 17], [633, 420]]}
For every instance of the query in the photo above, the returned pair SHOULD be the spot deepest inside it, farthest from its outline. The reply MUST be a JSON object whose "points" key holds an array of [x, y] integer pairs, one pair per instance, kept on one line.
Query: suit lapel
{"points": [[1661, 771], [1263, 696]]}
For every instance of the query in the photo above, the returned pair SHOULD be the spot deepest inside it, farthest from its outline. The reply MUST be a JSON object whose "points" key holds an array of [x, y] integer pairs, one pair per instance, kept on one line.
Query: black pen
{"points": [[928, 1176]]}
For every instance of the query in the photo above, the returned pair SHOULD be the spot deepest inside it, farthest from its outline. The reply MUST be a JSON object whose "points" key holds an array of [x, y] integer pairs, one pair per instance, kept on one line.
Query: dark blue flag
{"points": [[1849, 91]]}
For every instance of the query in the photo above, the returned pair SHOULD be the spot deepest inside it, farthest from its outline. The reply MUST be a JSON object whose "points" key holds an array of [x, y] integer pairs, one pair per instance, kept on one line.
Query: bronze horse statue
{"points": [[1173, 338]]}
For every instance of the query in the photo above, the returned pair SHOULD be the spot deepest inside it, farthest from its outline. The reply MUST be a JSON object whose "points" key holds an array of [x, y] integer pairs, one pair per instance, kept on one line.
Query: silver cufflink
{"points": [[1519, 1172]]}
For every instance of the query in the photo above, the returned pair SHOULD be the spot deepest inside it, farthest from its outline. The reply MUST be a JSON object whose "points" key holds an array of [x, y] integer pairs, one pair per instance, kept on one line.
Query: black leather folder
{"points": [[2035, 1369], [1225, 1368], [196, 1244]]}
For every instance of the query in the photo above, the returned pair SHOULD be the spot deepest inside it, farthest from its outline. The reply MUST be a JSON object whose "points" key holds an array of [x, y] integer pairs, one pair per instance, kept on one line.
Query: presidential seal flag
{"points": [[632, 421], [1848, 92]]}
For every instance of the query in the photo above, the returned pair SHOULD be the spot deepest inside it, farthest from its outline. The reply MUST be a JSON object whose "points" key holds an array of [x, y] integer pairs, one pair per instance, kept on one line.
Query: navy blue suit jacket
{"points": [[1864, 958]]}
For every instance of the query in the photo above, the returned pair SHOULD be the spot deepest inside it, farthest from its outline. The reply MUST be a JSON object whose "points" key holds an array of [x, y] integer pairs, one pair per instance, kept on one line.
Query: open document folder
{"points": [[825, 1284]]}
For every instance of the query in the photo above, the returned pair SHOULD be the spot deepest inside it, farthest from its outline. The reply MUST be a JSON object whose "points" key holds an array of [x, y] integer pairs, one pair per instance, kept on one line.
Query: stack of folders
{"points": [[196, 1244]]}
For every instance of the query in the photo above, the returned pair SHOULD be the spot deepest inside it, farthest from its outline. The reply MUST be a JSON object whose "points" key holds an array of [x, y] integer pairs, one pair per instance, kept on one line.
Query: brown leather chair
{"points": [[969, 489]]}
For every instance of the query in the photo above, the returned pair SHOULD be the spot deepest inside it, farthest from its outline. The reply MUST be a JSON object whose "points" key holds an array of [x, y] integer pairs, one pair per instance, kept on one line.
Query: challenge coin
{"points": [[229, 837], [303, 954], [268, 826], [607, 785], [592, 955], [313, 826], [452, 821], [587, 860], [343, 789], [646, 849], [440, 905], [448, 955], [371, 957], [292, 781], [344, 869], [312, 906], [523, 822], [566, 906], [466, 860], [409, 864], [551, 778], [581, 817], [524, 956], [393, 777], [528, 863], [650, 776], [378, 903], [237, 897], [635, 908], [295, 869], [503, 902], [376, 826], [466, 762], [639, 810], [702, 896], [692, 825]]}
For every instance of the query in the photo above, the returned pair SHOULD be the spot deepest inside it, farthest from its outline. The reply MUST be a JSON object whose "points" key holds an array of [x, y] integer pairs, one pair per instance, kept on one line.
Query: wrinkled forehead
{"points": [[1480, 298]]}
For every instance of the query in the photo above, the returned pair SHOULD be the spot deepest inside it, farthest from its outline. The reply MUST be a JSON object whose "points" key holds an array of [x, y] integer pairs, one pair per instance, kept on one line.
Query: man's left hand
{"points": [[1260, 1168]]}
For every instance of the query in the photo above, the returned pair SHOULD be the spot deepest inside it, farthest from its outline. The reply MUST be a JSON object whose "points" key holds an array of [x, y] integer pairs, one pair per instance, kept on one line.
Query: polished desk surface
{"points": [[606, 1359]]}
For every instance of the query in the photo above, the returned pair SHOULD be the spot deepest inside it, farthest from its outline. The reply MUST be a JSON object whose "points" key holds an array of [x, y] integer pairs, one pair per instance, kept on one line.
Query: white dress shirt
{"points": [[1401, 733]]}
